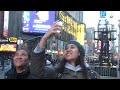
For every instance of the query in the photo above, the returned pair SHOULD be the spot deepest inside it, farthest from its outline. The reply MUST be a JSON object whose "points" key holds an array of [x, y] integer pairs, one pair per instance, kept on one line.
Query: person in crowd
{"points": [[21, 68], [3, 62], [48, 62], [73, 65]]}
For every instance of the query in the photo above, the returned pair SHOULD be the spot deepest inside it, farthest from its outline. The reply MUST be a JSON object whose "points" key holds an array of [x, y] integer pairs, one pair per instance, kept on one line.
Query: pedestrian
{"points": [[21, 70], [11, 60], [72, 66], [21, 67], [3, 63]]}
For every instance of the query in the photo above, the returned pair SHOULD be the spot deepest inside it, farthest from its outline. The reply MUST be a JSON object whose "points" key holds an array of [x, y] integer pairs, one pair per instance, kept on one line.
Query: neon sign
{"points": [[8, 47]]}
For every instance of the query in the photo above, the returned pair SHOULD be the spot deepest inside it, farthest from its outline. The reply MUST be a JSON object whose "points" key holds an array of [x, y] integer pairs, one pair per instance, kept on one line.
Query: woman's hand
{"points": [[53, 30]]}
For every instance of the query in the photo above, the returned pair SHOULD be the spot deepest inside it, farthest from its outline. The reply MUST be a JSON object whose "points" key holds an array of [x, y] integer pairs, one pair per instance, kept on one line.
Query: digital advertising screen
{"points": [[38, 22], [6, 22], [8, 47]]}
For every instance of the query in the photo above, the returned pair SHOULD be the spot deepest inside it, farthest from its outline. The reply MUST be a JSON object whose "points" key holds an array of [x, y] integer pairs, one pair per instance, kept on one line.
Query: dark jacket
{"points": [[12, 74], [69, 74], [39, 69]]}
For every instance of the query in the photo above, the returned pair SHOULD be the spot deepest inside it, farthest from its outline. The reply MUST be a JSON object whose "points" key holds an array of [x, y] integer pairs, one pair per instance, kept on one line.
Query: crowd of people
{"points": [[38, 66]]}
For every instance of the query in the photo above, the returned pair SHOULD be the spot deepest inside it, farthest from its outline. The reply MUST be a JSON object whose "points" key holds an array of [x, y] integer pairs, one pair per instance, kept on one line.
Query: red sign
{"points": [[58, 52]]}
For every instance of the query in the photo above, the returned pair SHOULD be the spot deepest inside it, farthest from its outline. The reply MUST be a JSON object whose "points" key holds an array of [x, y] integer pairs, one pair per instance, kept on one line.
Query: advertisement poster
{"points": [[37, 22], [6, 22]]}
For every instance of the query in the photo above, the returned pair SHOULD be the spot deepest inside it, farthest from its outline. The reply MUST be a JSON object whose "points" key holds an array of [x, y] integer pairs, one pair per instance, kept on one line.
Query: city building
{"points": [[89, 45], [78, 15], [73, 29]]}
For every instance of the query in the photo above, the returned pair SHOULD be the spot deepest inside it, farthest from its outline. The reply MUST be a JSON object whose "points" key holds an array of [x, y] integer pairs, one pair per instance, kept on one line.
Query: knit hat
{"points": [[79, 46]]}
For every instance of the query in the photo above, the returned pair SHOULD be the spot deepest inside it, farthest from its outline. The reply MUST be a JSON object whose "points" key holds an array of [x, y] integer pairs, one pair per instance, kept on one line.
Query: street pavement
{"points": [[7, 67]]}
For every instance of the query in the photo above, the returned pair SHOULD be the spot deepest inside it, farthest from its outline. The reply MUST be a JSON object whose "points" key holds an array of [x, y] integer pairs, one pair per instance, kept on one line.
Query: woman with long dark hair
{"points": [[73, 65], [73, 62]]}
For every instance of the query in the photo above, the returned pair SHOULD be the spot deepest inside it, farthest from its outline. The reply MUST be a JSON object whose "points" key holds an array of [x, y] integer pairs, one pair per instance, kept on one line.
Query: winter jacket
{"points": [[12, 74], [69, 74], [39, 69]]}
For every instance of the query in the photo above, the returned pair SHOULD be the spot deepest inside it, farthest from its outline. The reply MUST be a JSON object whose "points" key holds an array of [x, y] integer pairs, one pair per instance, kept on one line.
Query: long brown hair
{"points": [[79, 61]]}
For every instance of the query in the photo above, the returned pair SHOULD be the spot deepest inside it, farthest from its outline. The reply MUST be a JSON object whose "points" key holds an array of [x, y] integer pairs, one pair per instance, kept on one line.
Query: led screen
{"points": [[6, 22], [37, 22]]}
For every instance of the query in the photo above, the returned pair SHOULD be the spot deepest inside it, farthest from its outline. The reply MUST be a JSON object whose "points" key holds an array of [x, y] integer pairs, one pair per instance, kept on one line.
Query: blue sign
{"points": [[37, 22], [102, 14]]}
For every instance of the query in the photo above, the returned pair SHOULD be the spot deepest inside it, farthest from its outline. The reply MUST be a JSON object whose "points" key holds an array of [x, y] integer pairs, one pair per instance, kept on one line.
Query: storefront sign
{"points": [[13, 39], [8, 47], [72, 25], [37, 22]]}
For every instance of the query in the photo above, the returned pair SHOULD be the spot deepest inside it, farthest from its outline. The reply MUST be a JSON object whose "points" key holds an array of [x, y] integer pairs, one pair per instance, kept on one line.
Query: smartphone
{"points": [[59, 23]]}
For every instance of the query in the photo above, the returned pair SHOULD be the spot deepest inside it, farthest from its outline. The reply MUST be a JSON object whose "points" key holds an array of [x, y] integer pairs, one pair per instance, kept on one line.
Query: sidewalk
{"points": [[108, 77], [3, 72]]}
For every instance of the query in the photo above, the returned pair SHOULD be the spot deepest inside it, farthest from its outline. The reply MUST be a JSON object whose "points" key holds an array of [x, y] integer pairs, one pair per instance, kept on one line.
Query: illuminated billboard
{"points": [[70, 25], [73, 27], [6, 22], [81, 33], [37, 22], [8, 47]]}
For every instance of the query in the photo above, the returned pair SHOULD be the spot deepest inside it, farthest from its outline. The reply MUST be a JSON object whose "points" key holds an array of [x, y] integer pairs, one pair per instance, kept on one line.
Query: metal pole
{"points": [[118, 47], [119, 41], [119, 36], [118, 73], [20, 43]]}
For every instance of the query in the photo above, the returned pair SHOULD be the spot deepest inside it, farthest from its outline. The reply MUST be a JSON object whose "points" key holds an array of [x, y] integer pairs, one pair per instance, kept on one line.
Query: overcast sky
{"points": [[91, 18]]}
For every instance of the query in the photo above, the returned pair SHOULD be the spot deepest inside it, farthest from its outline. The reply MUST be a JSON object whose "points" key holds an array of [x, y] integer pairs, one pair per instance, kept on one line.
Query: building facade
{"points": [[90, 45], [73, 29], [78, 15]]}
